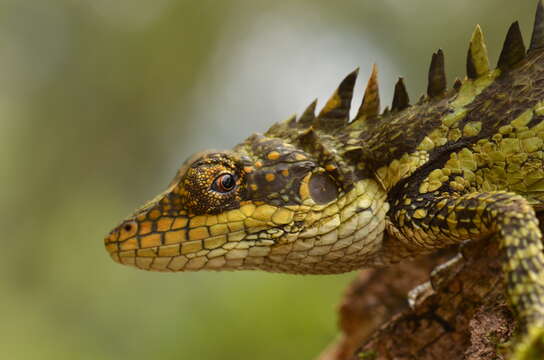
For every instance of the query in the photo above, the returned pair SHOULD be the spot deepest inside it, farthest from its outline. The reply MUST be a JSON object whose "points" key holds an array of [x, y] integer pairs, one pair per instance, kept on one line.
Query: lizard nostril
{"points": [[127, 227]]}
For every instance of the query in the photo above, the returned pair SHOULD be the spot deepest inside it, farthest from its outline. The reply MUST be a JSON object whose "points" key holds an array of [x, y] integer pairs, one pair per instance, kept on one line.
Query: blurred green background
{"points": [[101, 101]]}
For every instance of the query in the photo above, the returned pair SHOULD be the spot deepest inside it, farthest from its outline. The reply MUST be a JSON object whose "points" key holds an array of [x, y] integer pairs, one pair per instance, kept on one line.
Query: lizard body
{"points": [[323, 194]]}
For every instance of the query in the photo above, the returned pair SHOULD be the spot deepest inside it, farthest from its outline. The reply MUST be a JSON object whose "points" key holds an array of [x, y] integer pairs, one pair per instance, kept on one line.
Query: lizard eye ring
{"points": [[224, 183]]}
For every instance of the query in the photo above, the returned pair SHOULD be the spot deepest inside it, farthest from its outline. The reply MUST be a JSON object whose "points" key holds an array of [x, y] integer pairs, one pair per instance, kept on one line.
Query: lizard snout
{"points": [[120, 237]]}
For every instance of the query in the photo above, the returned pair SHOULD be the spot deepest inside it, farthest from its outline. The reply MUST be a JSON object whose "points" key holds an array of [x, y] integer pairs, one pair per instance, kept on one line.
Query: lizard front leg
{"points": [[426, 222]]}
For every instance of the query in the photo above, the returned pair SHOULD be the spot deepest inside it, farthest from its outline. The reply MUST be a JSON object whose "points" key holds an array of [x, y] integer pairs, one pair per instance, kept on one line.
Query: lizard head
{"points": [[297, 199], [264, 205]]}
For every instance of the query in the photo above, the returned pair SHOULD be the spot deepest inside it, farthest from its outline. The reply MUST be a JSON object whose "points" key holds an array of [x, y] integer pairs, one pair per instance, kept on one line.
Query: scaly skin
{"points": [[322, 195]]}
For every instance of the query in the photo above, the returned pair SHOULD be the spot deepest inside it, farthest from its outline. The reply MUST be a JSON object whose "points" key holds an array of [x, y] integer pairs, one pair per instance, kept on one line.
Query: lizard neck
{"points": [[350, 228]]}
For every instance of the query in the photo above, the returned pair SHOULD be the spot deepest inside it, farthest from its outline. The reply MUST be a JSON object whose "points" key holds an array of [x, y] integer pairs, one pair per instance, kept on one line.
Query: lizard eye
{"points": [[224, 183]]}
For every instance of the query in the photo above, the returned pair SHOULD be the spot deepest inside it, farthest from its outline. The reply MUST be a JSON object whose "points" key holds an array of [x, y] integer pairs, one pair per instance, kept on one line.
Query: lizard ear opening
{"points": [[323, 188]]}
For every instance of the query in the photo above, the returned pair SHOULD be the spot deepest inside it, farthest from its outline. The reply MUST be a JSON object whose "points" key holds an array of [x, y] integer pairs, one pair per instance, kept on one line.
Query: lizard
{"points": [[323, 194]]}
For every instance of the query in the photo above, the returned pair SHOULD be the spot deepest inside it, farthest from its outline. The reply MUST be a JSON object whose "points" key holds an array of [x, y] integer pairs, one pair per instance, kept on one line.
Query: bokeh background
{"points": [[101, 101]]}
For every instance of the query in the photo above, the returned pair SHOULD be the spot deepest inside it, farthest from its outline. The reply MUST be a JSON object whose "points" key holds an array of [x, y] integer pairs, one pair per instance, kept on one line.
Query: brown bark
{"points": [[463, 315]]}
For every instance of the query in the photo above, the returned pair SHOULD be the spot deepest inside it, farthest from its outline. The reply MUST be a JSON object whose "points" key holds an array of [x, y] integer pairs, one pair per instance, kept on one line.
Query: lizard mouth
{"points": [[113, 243], [188, 244]]}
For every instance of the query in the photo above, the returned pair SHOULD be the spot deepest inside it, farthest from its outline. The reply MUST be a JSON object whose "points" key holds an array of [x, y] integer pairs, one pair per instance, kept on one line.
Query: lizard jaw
{"points": [[337, 237]]}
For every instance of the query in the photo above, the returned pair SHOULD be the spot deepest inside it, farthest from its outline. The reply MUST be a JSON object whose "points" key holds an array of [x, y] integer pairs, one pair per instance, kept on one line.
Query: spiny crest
{"points": [[537, 40], [437, 75], [457, 84], [307, 138], [335, 113], [291, 122], [400, 99], [308, 116], [283, 129], [477, 59], [513, 50], [370, 107]]}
